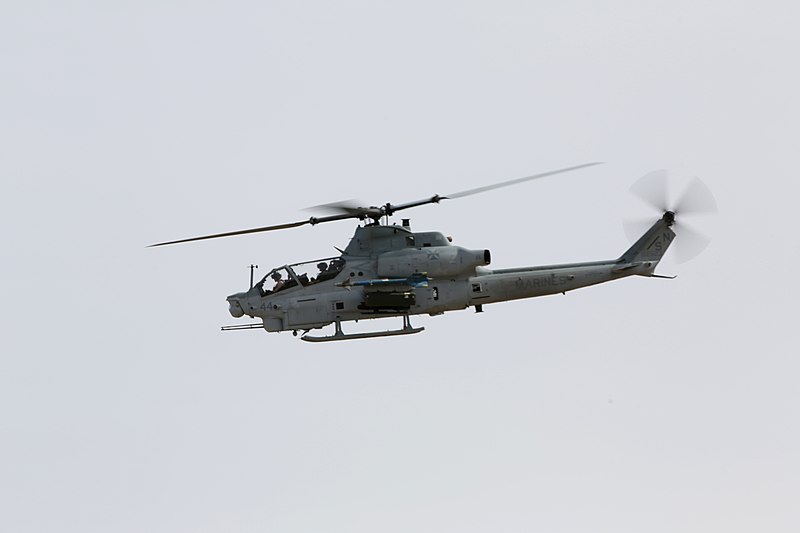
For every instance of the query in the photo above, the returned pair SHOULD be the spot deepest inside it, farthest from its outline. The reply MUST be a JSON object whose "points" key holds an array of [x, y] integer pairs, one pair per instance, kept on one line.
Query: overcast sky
{"points": [[639, 405]]}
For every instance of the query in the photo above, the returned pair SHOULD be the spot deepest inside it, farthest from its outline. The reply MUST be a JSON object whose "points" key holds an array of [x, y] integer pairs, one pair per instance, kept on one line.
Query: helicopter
{"points": [[388, 270]]}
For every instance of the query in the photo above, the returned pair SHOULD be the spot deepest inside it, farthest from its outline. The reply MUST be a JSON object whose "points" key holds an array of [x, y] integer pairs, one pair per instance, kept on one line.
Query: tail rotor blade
{"points": [[635, 228], [689, 243], [653, 189], [697, 199]]}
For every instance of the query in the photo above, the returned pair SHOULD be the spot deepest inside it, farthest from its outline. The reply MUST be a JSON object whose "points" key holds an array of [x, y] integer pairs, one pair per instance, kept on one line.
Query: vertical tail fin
{"points": [[653, 244]]}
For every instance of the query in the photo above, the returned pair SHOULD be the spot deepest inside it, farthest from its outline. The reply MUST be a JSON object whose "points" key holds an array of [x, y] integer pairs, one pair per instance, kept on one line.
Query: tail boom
{"points": [[640, 259]]}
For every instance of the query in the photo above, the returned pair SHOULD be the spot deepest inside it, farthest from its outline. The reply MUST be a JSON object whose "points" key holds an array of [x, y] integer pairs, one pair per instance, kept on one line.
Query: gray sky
{"points": [[640, 405]]}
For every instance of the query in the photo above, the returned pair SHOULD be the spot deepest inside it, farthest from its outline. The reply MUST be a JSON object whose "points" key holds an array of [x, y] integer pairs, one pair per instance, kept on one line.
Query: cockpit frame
{"points": [[299, 277]]}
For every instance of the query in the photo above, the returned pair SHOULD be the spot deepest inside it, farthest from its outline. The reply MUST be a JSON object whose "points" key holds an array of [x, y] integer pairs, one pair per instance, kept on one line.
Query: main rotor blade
{"points": [[508, 183], [313, 221], [346, 210], [240, 232], [345, 207], [392, 208]]}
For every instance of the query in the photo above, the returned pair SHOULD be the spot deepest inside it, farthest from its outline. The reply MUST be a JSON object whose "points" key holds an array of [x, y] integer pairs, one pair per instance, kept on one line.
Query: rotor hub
{"points": [[669, 218]]}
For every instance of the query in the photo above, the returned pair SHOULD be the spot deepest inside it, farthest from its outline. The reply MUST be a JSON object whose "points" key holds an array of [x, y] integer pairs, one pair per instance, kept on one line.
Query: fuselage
{"points": [[391, 271]]}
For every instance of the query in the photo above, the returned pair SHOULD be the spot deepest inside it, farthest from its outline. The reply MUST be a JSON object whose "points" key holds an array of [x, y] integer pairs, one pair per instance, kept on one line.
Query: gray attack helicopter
{"points": [[388, 270]]}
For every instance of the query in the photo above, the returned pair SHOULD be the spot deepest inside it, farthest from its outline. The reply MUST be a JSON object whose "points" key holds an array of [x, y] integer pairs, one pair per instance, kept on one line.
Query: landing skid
{"points": [[339, 335]]}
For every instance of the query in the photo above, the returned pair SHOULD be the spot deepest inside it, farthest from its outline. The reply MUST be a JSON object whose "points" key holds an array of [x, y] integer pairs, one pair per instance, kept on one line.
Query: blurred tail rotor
{"points": [[696, 199]]}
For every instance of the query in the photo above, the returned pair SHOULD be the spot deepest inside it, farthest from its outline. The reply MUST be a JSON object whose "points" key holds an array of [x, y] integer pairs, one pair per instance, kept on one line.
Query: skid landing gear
{"points": [[339, 335]]}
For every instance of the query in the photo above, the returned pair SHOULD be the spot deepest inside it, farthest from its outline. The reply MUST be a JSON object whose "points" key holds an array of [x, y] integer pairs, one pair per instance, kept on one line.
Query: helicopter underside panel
{"points": [[273, 324]]}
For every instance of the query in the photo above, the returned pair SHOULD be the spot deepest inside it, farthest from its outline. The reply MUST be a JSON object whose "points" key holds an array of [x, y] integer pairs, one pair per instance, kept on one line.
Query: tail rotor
{"points": [[696, 199]]}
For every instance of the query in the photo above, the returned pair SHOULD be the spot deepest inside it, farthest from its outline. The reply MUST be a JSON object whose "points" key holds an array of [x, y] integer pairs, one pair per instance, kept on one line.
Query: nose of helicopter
{"points": [[235, 307]]}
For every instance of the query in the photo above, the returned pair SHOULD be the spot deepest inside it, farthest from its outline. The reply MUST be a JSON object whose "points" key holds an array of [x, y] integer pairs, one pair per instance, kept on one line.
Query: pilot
{"points": [[325, 272], [279, 283]]}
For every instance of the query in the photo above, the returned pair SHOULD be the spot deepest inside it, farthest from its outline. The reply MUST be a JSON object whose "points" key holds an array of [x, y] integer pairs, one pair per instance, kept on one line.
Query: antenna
{"points": [[252, 267]]}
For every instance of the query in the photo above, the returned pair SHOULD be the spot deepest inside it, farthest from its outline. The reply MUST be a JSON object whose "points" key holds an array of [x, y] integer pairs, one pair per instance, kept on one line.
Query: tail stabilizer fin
{"points": [[653, 244]]}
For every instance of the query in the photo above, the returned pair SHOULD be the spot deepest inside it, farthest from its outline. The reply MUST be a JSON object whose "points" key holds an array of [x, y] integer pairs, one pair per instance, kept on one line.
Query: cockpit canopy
{"points": [[300, 274]]}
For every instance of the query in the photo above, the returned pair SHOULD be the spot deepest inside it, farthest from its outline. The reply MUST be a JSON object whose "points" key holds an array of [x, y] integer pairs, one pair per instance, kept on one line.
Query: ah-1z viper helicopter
{"points": [[392, 271]]}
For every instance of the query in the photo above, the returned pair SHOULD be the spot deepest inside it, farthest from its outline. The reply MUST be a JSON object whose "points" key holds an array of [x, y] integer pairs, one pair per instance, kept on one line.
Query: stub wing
{"points": [[415, 280]]}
